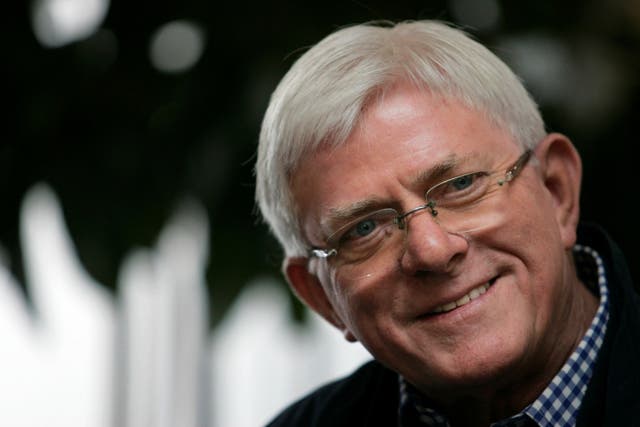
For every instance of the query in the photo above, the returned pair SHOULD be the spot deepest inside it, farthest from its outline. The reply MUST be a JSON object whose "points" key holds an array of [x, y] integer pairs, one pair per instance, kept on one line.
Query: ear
{"points": [[562, 172], [309, 290]]}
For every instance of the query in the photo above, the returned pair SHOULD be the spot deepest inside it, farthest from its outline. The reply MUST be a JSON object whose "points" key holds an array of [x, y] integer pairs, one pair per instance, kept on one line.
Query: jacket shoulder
{"points": [[367, 397]]}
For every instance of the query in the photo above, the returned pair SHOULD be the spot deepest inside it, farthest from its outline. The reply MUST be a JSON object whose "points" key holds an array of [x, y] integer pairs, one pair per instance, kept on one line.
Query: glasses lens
{"points": [[466, 202], [362, 238]]}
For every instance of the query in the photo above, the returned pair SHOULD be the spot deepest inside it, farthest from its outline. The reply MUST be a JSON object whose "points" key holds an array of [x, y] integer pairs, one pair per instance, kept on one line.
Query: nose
{"points": [[429, 247]]}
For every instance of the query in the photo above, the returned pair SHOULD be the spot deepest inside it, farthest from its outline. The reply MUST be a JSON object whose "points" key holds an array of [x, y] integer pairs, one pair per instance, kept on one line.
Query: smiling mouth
{"points": [[473, 294]]}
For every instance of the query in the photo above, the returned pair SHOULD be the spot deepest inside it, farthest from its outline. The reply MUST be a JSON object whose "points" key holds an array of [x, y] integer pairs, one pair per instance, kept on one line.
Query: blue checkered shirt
{"points": [[559, 403]]}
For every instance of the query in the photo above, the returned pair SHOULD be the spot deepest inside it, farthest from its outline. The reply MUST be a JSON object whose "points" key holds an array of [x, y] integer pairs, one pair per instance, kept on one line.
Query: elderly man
{"points": [[426, 213]]}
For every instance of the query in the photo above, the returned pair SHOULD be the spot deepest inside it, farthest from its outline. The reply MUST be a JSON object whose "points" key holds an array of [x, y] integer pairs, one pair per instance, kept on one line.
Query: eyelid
{"points": [[388, 214], [451, 166], [443, 185], [341, 217], [349, 224]]}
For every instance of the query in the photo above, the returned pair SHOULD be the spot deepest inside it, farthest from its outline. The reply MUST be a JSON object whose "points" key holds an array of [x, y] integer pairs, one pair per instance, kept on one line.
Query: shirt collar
{"points": [[559, 403]]}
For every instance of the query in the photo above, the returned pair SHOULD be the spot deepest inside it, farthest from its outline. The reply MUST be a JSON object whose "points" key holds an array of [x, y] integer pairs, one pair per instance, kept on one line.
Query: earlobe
{"points": [[562, 173], [310, 291]]}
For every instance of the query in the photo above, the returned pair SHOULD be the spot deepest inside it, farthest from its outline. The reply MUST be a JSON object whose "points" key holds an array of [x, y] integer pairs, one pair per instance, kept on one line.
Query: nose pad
{"points": [[429, 246]]}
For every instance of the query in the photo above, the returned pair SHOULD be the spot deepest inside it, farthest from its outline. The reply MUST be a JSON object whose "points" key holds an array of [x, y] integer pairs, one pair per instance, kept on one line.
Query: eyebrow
{"points": [[441, 170]]}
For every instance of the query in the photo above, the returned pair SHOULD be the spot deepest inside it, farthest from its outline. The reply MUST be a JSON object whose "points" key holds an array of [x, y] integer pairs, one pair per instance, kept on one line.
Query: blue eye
{"points": [[365, 231], [463, 182], [365, 227]]}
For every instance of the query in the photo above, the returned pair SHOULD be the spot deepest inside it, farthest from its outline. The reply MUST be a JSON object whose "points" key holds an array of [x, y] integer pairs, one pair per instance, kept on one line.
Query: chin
{"points": [[473, 371]]}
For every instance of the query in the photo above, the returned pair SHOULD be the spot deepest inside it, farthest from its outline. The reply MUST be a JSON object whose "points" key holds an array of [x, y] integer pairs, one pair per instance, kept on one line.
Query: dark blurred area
{"points": [[123, 141]]}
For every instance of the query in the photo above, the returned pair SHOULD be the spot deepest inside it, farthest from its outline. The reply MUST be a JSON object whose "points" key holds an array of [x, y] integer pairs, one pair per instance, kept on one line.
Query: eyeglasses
{"points": [[460, 204]]}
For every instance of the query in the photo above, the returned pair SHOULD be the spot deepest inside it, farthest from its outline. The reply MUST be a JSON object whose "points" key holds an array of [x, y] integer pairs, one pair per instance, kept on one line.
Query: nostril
{"points": [[421, 273]]}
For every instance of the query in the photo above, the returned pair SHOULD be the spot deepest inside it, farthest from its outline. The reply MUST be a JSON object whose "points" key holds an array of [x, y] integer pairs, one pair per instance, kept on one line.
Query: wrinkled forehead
{"points": [[416, 119], [390, 107]]}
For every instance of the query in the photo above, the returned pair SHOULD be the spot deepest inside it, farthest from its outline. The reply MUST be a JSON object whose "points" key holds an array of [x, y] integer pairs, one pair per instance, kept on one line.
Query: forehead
{"points": [[405, 134]]}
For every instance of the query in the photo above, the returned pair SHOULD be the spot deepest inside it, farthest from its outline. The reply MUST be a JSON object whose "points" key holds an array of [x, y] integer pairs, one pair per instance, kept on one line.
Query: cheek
{"points": [[364, 305], [532, 232], [346, 300], [529, 242], [541, 255], [536, 214]]}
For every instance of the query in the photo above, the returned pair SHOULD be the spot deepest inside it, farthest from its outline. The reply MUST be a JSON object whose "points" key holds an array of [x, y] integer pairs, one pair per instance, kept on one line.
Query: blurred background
{"points": [[127, 109]]}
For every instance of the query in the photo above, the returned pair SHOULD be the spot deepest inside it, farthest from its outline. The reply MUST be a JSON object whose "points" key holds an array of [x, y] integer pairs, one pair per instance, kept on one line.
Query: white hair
{"points": [[320, 100]]}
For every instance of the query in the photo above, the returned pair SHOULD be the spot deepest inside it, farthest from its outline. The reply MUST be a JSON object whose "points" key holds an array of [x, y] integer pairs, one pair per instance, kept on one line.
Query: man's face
{"points": [[511, 330]]}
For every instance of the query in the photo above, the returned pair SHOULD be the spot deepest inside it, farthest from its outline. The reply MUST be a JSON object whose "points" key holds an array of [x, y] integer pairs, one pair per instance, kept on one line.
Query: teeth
{"points": [[449, 307], [462, 301], [475, 293]]}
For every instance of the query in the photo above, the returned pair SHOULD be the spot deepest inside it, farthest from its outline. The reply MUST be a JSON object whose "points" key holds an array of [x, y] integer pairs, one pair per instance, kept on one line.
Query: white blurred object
{"points": [[56, 366], [60, 22], [262, 361], [77, 358], [176, 46], [164, 312]]}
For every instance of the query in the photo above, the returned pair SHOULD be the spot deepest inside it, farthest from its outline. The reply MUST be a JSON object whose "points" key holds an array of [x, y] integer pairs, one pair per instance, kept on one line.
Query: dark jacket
{"points": [[369, 396]]}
